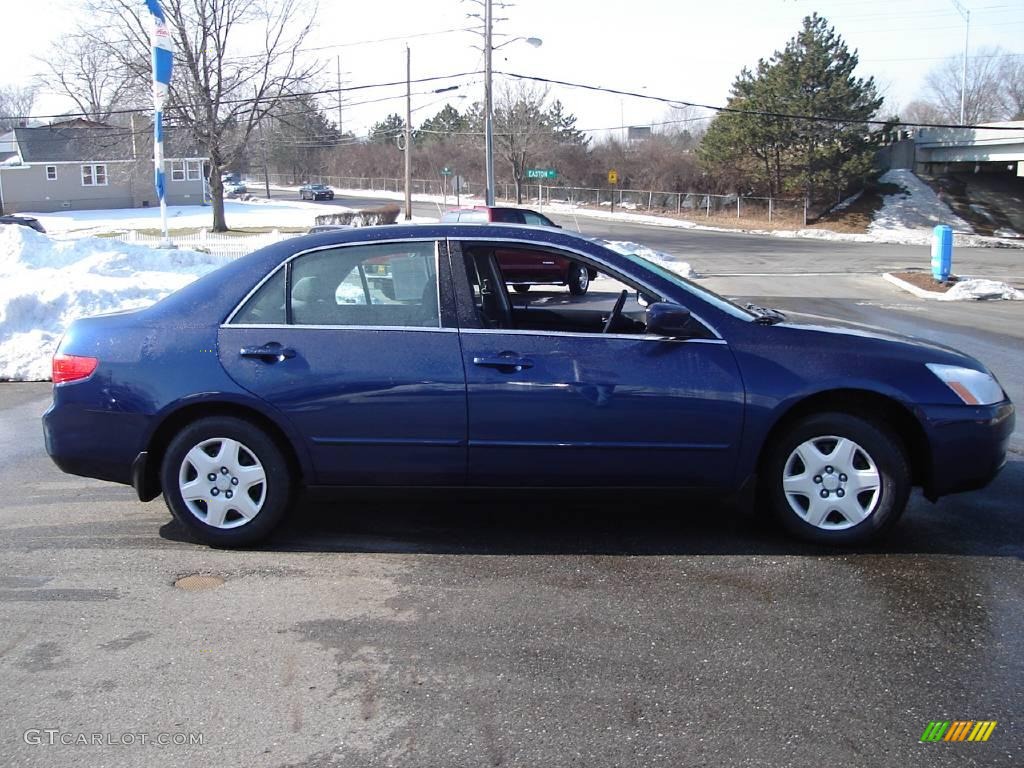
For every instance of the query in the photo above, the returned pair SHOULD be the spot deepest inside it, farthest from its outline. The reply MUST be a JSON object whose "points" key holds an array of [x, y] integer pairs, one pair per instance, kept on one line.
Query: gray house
{"points": [[83, 165]]}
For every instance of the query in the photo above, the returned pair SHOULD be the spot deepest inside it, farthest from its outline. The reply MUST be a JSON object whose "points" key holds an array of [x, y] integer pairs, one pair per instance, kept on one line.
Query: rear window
{"points": [[506, 216], [473, 217]]}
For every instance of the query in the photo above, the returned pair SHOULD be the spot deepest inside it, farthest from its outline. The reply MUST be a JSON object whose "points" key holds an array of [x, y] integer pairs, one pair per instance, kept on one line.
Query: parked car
{"points": [[24, 221], [522, 269], [315, 192], [394, 357], [235, 189]]}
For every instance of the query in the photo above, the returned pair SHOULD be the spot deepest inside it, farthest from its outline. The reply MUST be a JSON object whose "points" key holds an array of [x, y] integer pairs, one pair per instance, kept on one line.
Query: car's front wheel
{"points": [[520, 288], [836, 478], [579, 279], [226, 481]]}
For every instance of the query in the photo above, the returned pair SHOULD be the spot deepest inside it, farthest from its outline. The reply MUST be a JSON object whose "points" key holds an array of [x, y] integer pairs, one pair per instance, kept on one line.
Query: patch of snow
{"points": [[45, 284], [913, 213], [660, 258], [848, 201], [973, 289]]}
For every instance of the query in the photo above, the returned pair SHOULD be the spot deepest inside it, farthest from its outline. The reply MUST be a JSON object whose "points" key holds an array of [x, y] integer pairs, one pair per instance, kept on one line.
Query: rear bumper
{"points": [[968, 445], [91, 443]]}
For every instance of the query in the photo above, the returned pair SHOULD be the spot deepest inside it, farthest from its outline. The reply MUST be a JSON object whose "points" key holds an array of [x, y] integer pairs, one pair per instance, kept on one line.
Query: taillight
{"points": [[72, 367]]}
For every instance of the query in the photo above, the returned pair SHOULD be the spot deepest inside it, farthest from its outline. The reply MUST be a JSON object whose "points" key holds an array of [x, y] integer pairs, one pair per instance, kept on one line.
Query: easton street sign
{"points": [[541, 173]]}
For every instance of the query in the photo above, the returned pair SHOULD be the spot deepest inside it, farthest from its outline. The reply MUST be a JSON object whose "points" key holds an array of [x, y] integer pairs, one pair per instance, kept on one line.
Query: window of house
{"points": [[94, 175], [51, 173], [194, 170], [177, 170]]}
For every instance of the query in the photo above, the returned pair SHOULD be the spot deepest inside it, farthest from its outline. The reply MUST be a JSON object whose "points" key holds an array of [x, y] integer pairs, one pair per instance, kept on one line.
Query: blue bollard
{"points": [[942, 252]]}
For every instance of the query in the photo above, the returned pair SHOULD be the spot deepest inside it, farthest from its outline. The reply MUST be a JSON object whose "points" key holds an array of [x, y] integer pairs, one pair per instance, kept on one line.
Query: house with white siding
{"points": [[82, 165]]}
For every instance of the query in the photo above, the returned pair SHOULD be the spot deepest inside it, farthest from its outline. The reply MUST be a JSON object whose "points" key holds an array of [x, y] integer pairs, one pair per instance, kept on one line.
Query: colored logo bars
{"points": [[958, 730]]}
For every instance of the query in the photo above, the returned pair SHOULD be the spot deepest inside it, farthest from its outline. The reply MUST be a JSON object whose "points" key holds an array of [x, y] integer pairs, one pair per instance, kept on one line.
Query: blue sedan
{"points": [[397, 356]]}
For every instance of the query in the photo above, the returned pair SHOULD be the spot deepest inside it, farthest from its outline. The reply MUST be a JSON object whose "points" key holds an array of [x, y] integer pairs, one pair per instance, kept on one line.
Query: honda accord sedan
{"points": [[396, 356]]}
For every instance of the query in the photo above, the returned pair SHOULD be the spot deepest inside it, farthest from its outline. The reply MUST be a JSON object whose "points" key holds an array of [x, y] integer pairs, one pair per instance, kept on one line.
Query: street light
{"points": [[489, 48], [963, 82]]}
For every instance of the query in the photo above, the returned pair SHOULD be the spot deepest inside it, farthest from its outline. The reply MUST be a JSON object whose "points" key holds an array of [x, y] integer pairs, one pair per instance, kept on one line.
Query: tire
{"points": [[811, 475], [520, 288], [239, 517], [579, 279]]}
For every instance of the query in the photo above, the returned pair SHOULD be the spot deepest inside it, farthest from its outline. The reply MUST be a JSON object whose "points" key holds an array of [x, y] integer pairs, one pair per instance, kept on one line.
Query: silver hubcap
{"points": [[583, 280], [222, 483], [831, 483]]}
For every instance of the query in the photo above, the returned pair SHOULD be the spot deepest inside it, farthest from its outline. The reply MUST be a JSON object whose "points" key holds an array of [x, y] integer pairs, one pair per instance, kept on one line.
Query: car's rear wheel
{"points": [[835, 478], [520, 288], [579, 279], [226, 481]]}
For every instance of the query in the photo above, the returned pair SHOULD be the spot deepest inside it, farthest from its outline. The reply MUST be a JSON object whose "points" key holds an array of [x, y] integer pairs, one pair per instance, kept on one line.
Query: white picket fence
{"points": [[228, 246]]}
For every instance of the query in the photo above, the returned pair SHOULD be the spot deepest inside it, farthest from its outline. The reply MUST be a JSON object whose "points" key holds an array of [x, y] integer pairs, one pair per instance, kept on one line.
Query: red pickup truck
{"points": [[522, 269]]}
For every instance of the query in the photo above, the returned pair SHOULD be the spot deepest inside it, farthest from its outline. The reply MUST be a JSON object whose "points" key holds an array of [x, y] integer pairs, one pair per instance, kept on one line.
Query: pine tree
{"points": [[387, 129], [771, 142]]}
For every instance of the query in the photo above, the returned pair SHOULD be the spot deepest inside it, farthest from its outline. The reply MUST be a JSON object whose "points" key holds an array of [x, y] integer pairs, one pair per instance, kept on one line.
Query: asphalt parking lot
{"points": [[518, 629]]}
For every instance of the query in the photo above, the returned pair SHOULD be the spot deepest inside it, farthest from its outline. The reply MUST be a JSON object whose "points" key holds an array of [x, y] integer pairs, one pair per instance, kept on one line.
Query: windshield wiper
{"points": [[765, 315]]}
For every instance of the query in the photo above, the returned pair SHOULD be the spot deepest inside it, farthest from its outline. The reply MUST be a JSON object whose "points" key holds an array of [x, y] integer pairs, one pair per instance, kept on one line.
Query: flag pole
{"points": [[163, 59]]}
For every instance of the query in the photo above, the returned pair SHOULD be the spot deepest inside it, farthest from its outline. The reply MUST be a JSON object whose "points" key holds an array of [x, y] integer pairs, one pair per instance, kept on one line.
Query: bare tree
{"points": [[15, 105], [921, 111], [1012, 74], [235, 61], [521, 130], [80, 67], [983, 102]]}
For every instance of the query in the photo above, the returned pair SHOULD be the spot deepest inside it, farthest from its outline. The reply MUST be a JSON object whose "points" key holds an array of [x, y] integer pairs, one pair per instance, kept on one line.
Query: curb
{"points": [[921, 293]]}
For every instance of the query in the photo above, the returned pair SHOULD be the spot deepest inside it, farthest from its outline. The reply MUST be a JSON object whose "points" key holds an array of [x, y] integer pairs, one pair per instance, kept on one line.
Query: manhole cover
{"points": [[197, 582]]}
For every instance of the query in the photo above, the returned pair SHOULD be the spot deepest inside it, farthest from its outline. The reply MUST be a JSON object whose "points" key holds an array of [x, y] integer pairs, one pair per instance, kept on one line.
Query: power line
{"points": [[756, 113], [280, 97]]}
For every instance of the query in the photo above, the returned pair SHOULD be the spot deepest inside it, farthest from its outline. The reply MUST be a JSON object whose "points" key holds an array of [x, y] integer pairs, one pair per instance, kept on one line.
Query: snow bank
{"points": [[45, 284], [669, 262], [914, 212], [977, 288]]}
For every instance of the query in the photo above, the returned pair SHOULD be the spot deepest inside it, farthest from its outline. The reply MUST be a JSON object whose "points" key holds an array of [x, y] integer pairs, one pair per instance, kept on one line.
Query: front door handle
{"points": [[268, 353], [506, 363]]}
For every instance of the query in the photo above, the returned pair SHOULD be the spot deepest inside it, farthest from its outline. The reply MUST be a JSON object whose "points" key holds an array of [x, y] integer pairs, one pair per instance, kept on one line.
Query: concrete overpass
{"points": [[994, 147]]}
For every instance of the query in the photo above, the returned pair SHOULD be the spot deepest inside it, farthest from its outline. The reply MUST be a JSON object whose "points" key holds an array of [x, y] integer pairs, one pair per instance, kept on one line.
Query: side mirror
{"points": [[667, 319]]}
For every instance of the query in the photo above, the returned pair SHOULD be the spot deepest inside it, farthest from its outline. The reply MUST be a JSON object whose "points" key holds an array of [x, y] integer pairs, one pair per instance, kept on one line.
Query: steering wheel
{"points": [[616, 312]]}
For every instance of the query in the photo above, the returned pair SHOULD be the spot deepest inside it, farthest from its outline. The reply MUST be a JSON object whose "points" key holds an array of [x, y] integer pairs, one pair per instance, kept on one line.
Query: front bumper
{"points": [[968, 445]]}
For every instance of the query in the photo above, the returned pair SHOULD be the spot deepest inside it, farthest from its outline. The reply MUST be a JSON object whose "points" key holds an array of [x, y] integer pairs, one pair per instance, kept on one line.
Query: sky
{"points": [[676, 49]]}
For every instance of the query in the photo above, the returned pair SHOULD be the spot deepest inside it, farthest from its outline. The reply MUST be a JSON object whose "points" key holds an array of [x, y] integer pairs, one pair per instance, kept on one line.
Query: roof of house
{"points": [[83, 140]]}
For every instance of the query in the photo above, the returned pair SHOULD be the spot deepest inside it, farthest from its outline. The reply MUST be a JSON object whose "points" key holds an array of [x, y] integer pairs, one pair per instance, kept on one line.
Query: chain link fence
{"points": [[695, 206]]}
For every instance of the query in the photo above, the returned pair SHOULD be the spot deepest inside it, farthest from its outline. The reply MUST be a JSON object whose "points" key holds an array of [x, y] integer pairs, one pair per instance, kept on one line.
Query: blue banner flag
{"points": [[163, 61]]}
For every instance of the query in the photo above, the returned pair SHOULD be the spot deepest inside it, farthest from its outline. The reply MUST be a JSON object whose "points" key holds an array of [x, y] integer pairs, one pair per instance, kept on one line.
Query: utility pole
{"points": [[263, 141], [966, 14], [408, 133], [340, 131], [488, 104]]}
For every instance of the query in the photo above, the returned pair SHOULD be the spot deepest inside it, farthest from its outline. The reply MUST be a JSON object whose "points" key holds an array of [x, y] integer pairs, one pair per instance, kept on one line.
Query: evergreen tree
{"points": [[387, 129], [444, 125], [770, 143], [563, 126]]}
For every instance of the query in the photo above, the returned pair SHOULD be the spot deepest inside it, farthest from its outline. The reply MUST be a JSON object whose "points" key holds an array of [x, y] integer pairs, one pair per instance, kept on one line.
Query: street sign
{"points": [[613, 177], [446, 171], [541, 173]]}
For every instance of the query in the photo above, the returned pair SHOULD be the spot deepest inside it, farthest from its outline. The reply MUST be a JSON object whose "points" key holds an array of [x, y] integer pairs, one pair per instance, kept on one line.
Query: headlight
{"points": [[971, 386]]}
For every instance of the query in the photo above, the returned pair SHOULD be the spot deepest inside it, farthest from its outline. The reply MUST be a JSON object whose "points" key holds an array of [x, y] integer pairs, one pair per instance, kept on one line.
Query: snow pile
{"points": [[669, 262], [913, 213], [978, 288], [45, 284]]}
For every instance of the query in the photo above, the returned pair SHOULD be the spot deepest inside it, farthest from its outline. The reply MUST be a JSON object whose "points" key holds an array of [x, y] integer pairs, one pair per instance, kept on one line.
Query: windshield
{"points": [[662, 266]]}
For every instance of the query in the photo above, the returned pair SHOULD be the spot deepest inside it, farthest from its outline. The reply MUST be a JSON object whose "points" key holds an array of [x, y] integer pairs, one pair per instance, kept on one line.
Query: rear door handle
{"points": [[268, 353], [506, 363]]}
